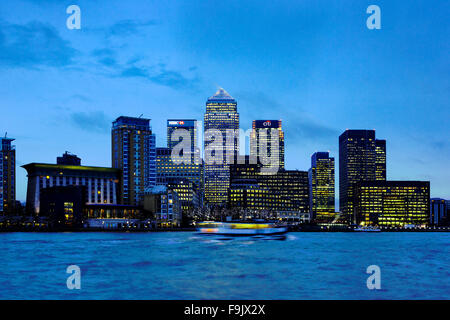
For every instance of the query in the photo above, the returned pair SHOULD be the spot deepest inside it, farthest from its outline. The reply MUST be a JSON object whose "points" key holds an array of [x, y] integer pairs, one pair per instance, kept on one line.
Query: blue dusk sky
{"points": [[313, 64]]}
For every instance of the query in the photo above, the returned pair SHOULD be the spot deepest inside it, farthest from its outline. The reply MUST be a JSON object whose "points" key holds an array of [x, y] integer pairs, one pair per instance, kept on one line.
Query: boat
{"points": [[240, 228], [367, 229]]}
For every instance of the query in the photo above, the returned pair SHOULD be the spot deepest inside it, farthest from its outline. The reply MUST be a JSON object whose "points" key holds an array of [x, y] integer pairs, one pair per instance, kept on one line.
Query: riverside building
{"points": [[7, 175], [321, 186], [101, 184], [361, 158], [134, 153], [392, 203]]}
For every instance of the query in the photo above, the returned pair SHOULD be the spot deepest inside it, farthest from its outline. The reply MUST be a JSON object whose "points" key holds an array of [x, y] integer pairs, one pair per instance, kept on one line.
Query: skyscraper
{"points": [[7, 175], [221, 117], [321, 186], [261, 141], [358, 160], [380, 161], [190, 126], [134, 152]]}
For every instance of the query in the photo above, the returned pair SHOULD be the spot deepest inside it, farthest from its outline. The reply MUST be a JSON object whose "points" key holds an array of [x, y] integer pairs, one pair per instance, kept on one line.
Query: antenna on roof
{"points": [[141, 115], [6, 133]]}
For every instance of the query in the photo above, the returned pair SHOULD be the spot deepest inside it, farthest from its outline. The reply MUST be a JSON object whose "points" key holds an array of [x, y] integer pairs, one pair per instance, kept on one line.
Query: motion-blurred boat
{"points": [[253, 229]]}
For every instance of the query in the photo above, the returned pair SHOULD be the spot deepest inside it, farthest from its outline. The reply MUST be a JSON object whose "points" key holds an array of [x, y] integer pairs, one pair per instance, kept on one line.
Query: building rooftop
{"points": [[221, 94], [33, 166], [140, 123]]}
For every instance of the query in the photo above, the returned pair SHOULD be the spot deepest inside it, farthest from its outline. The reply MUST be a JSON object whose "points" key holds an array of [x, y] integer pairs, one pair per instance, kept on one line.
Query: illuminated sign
{"points": [[267, 123], [181, 122]]}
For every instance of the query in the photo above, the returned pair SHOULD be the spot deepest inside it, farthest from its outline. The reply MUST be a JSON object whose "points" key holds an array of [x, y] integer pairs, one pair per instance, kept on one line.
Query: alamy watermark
{"points": [[374, 20], [74, 20], [374, 280], [222, 148], [74, 280]]}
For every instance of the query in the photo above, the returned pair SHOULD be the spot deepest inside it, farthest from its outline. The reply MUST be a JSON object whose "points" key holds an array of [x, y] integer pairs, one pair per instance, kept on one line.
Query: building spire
{"points": [[221, 94]]}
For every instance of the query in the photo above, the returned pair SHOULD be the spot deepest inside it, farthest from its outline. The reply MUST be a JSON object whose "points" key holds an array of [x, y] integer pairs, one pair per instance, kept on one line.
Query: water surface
{"points": [[182, 265]]}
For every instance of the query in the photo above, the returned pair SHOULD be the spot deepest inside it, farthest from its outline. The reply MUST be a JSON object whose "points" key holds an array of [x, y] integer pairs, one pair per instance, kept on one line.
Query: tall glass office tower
{"points": [[221, 115], [7, 175], [380, 160], [190, 126], [359, 159], [134, 152], [321, 186], [261, 137]]}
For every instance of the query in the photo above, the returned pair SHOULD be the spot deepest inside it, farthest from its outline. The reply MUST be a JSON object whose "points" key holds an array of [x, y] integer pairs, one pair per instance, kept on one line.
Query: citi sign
{"points": [[267, 123]]}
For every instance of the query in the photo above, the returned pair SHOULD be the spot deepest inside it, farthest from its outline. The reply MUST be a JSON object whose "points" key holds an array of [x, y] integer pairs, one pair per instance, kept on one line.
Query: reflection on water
{"points": [[184, 265]]}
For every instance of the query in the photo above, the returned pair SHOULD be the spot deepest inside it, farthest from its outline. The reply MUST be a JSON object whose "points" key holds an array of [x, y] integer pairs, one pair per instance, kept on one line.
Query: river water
{"points": [[183, 265]]}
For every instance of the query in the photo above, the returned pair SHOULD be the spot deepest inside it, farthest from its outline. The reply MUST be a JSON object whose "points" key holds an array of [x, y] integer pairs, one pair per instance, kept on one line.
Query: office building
{"points": [[167, 170], [188, 194], [267, 143], [63, 205], [187, 127], [358, 160], [7, 176], [438, 211], [222, 116], [392, 203], [380, 160], [287, 190], [134, 153], [102, 184], [321, 186], [164, 205]]}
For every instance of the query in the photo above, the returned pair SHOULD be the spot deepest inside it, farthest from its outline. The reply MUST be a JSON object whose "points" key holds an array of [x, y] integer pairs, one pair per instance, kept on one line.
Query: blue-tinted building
{"points": [[190, 128], [7, 175], [134, 152]]}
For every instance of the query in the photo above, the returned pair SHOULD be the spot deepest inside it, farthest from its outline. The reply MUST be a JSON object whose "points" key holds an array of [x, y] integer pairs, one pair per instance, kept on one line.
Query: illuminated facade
{"points": [[191, 127], [101, 184], [163, 203], [358, 161], [392, 203], [134, 152], [188, 194], [167, 170], [221, 114], [7, 176], [380, 160], [261, 137], [286, 190], [321, 186]]}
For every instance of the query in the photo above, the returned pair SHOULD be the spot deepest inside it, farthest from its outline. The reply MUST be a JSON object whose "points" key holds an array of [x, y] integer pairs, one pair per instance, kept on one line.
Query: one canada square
{"points": [[221, 116]]}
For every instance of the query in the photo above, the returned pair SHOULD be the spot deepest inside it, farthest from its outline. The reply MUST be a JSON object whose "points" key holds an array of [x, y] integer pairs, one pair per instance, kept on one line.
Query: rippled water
{"points": [[182, 265]]}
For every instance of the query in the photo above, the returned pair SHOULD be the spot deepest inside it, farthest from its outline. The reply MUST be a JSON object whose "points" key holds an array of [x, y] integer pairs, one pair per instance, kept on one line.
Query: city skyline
{"points": [[374, 79]]}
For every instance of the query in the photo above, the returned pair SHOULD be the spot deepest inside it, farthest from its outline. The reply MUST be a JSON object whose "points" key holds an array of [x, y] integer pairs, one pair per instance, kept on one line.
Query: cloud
{"points": [[122, 28], [128, 27], [158, 74], [95, 121], [440, 145], [33, 45]]}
